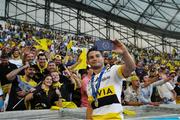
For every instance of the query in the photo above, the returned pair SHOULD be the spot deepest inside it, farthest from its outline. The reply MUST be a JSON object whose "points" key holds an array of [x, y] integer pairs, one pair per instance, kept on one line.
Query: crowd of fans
{"points": [[35, 77]]}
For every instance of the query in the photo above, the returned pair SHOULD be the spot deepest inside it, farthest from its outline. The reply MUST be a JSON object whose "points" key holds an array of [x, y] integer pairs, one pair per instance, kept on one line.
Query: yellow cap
{"points": [[57, 56], [134, 78], [172, 71]]}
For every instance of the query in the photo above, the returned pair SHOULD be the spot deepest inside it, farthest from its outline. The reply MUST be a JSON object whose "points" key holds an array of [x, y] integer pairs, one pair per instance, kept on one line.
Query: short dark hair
{"points": [[94, 48], [51, 62], [41, 54], [33, 66]]}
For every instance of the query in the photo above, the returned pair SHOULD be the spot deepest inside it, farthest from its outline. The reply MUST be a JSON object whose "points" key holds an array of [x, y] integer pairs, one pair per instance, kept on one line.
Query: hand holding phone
{"points": [[104, 45]]}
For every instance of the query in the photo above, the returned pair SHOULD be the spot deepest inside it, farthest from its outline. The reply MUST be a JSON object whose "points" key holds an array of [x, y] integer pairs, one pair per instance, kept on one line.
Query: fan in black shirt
{"points": [[44, 96]]}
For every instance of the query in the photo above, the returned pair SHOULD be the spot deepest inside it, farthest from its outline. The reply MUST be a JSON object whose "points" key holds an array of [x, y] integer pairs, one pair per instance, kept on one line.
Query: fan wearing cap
{"points": [[132, 93], [21, 85], [58, 62]]}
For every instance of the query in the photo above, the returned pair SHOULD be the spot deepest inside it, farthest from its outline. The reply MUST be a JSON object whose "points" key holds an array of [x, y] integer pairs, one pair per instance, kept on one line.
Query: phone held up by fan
{"points": [[104, 45]]}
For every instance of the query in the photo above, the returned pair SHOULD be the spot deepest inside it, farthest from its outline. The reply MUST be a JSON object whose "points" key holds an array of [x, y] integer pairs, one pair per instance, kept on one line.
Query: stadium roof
{"points": [[159, 17]]}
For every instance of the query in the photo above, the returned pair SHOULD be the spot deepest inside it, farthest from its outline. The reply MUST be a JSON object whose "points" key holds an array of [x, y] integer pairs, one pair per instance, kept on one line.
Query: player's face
{"points": [[95, 59]]}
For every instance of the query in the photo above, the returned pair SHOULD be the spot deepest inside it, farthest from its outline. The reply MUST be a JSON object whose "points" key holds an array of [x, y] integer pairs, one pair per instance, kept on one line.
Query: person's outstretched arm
{"points": [[129, 65], [12, 75]]}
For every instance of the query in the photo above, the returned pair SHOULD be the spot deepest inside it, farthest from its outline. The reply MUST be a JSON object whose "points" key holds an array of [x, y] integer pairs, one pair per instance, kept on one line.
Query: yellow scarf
{"points": [[42, 69], [46, 90], [57, 85], [31, 82]]}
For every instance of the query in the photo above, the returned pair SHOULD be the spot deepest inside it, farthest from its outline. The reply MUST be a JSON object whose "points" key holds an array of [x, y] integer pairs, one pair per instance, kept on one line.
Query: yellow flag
{"points": [[82, 58], [43, 44], [12, 43], [69, 45]]}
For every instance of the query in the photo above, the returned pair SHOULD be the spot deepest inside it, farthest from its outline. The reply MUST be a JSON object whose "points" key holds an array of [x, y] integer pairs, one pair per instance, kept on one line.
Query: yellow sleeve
{"points": [[120, 72]]}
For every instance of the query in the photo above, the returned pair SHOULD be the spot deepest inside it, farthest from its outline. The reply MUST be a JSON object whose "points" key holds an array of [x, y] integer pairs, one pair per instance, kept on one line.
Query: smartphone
{"points": [[104, 45]]}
